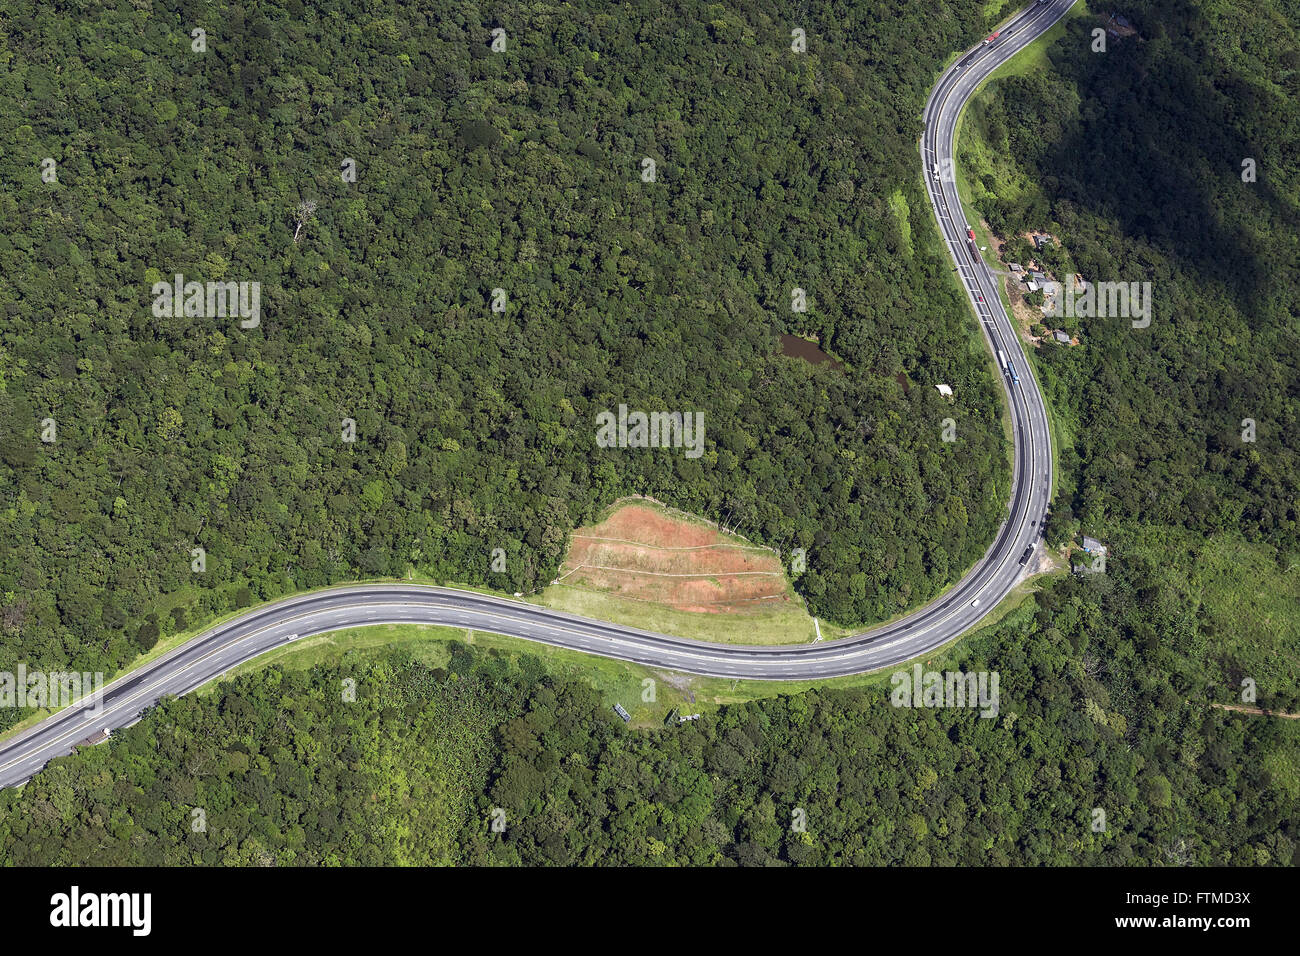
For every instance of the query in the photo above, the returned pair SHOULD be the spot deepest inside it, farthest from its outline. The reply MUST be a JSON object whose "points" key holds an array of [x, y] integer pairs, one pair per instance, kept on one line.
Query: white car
{"points": [[975, 603]]}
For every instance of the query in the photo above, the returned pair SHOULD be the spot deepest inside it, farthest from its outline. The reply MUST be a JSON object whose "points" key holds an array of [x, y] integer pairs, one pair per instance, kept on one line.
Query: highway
{"points": [[226, 645]]}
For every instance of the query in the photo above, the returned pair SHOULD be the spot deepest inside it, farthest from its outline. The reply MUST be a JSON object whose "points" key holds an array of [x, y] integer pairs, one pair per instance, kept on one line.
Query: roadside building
{"points": [[1096, 561], [1118, 25]]}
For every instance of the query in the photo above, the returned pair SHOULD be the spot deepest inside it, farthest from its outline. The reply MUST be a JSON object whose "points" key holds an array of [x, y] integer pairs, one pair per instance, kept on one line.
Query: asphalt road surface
{"points": [[229, 644]]}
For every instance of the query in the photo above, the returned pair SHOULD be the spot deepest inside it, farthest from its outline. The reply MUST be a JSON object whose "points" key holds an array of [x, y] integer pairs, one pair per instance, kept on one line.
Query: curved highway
{"points": [[229, 644]]}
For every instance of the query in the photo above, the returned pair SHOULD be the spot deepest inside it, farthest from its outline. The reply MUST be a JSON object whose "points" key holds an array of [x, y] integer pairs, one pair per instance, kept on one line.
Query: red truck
{"points": [[991, 37], [970, 233]]}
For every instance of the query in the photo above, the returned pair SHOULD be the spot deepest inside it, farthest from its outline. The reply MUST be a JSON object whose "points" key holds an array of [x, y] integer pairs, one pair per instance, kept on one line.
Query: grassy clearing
{"points": [[898, 206], [1245, 604], [1253, 604], [783, 624], [427, 643]]}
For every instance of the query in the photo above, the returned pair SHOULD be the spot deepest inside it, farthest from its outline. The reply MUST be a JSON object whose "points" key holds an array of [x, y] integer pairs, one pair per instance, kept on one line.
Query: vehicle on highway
{"points": [[970, 234], [980, 297], [992, 37], [975, 603], [1007, 366]]}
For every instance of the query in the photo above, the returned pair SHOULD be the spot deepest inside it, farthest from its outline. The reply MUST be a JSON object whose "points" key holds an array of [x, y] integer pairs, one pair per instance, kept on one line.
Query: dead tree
{"points": [[306, 209]]}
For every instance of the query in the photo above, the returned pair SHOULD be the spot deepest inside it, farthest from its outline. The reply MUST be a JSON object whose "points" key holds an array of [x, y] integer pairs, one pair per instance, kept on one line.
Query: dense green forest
{"points": [[521, 170], [475, 170], [1098, 710], [1134, 158]]}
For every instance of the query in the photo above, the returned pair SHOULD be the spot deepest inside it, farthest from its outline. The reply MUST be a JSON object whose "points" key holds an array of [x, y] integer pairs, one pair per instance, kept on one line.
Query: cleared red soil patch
{"points": [[642, 554]]}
